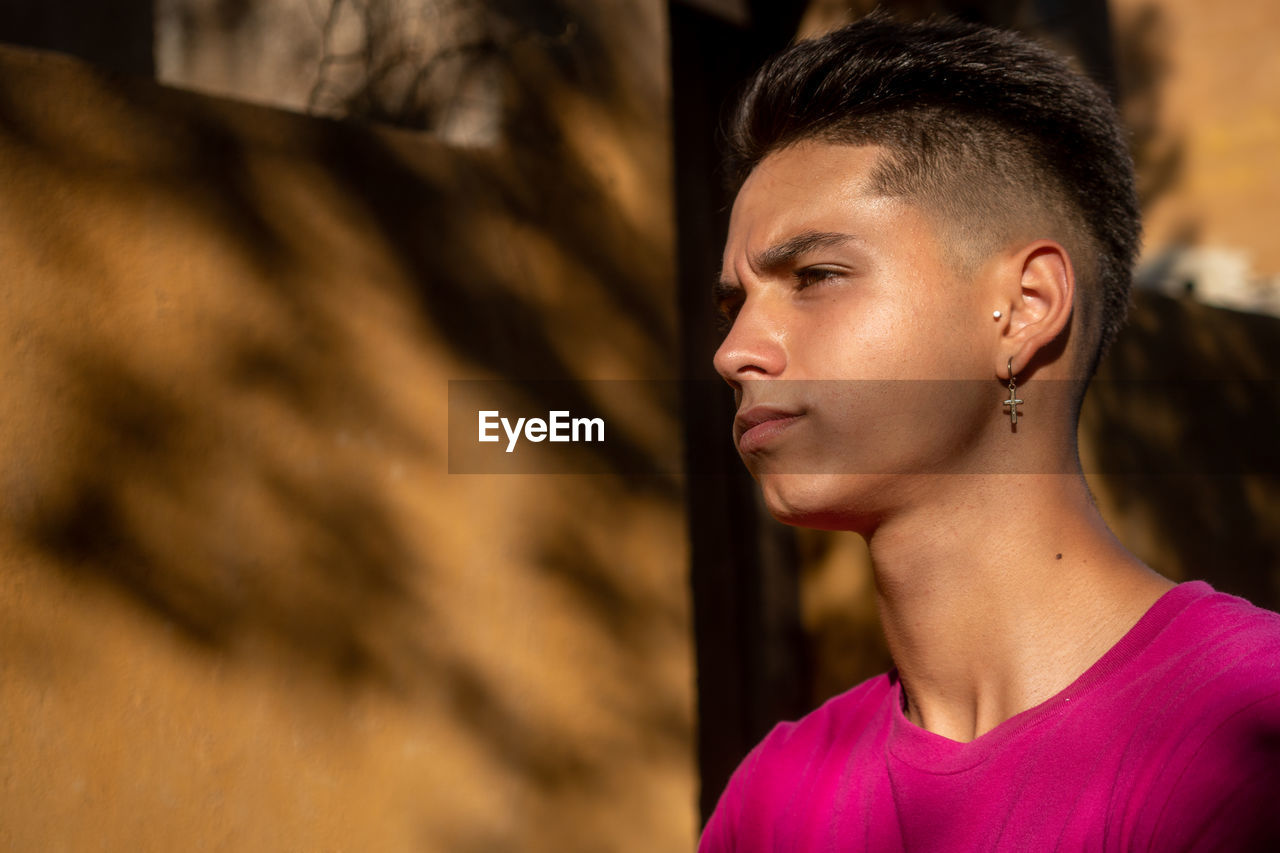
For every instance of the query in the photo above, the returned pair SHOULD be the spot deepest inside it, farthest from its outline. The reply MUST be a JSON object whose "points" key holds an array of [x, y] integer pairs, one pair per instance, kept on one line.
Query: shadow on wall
{"points": [[231, 331], [1142, 65]]}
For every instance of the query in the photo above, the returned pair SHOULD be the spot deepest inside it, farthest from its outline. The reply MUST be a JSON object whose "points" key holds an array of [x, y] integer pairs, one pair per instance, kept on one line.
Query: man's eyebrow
{"points": [[787, 251], [779, 256]]}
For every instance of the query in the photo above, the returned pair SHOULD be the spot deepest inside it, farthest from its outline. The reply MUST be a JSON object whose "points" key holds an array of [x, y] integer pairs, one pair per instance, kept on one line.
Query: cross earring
{"points": [[1013, 402]]}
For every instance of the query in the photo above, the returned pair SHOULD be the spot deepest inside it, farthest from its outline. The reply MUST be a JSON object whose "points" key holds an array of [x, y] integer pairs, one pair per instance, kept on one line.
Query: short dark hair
{"points": [[993, 130]]}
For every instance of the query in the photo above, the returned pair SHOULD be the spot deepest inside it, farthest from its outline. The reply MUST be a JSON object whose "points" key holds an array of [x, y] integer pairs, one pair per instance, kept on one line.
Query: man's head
{"points": [[921, 210], [994, 136]]}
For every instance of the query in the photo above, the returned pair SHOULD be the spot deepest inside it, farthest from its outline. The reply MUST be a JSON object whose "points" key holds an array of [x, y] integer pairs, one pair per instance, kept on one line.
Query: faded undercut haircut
{"points": [[993, 133]]}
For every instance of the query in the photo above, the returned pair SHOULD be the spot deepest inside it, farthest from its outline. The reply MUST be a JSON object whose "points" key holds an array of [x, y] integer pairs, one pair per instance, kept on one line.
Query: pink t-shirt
{"points": [[1171, 741]]}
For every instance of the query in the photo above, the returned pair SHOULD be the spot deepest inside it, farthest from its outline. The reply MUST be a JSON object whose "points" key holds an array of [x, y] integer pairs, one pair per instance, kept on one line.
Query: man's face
{"points": [[857, 348]]}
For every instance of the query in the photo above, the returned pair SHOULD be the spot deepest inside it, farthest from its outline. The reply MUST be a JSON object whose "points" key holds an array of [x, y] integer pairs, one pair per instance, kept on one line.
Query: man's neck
{"points": [[985, 622]]}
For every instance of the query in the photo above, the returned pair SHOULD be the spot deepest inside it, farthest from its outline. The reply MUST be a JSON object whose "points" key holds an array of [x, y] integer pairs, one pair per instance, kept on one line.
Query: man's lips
{"points": [[758, 425]]}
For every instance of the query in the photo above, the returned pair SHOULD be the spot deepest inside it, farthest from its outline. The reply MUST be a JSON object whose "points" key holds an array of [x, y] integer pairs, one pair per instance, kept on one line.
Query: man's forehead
{"points": [[799, 199], [810, 162], [798, 183]]}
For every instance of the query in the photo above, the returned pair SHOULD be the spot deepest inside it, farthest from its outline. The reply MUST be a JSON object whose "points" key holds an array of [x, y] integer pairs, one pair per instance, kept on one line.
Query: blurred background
{"points": [[243, 603]]}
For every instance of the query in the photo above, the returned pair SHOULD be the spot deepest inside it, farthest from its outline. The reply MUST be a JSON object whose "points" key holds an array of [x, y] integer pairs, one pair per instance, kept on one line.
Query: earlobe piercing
{"points": [[996, 315]]}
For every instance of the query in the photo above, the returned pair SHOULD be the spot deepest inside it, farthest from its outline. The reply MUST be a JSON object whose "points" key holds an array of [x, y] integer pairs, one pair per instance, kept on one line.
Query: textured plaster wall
{"points": [[243, 605], [1200, 86]]}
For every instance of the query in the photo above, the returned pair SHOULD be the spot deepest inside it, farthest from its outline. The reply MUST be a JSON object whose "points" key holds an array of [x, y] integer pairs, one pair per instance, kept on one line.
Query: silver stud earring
{"points": [[996, 315]]}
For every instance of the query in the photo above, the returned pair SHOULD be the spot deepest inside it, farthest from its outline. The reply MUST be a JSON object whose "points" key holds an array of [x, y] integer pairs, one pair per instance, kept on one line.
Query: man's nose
{"points": [[754, 347]]}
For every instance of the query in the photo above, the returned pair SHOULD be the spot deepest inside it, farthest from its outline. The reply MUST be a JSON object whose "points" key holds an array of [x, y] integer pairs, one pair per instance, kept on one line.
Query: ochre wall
{"points": [[243, 604], [1200, 86]]}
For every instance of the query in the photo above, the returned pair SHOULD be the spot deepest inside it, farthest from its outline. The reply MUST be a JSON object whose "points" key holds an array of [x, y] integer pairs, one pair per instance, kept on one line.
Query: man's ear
{"points": [[1041, 309]]}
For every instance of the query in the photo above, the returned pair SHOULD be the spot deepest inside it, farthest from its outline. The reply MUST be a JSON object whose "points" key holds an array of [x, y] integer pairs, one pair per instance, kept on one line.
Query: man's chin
{"points": [[817, 501]]}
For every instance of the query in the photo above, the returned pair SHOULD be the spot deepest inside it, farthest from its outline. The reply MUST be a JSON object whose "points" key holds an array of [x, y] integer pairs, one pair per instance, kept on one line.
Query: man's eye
{"points": [[813, 275]]}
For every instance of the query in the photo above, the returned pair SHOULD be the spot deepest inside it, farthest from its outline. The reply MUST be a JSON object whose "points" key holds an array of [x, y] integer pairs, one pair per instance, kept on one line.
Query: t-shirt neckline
{"points": [[936, 753]]}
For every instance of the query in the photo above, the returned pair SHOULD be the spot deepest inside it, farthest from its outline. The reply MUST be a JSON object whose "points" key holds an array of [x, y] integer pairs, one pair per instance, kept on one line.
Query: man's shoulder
{"points": [[847, 729], [1216, 671], [1218, 606], [1218, 722], [858, 712], [1226, 636]]}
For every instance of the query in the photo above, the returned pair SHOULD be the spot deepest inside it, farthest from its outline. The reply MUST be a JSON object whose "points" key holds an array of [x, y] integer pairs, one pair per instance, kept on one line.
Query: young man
{"points": [[930, 248]]}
